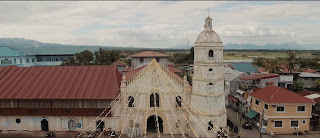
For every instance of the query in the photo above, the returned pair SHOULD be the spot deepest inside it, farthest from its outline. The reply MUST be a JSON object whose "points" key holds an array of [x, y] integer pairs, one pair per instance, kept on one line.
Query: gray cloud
{"points": [[158, 24]]}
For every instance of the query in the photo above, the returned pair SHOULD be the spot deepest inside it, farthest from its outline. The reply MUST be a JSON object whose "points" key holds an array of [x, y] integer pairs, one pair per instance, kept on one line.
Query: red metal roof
{"points": [[260, 76], [149, 54], [310, 71], [232, 98], [59, 82], [261, 70], [305, 93], [274, 94], [174, 70], [119, 63]]}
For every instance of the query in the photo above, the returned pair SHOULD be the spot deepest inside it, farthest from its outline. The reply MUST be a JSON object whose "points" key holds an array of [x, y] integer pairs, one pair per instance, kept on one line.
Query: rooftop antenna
{"points": [[208, 11], [11, 43]]}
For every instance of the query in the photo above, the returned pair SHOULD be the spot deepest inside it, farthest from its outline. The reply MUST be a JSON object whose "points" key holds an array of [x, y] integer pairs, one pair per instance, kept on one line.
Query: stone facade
{"points": [[208, 98]]}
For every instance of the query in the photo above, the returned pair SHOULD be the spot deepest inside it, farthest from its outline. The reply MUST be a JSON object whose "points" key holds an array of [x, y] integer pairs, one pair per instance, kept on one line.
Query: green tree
{"points": [[259, 61], [80, 59], [317, 86], [106, 57], [273, 66], [297, 86], [291, 61], [84, 58]]}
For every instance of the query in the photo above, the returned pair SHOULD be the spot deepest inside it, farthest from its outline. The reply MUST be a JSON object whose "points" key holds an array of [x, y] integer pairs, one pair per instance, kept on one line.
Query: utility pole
{"points": [[260, 123]]}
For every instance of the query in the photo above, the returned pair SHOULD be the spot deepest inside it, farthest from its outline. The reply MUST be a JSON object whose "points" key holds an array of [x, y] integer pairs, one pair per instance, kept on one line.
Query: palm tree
{"points": [[273, 66], [291, 61]]}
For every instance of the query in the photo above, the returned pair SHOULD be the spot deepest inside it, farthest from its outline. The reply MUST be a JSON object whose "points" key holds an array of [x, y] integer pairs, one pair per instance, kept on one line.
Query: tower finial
{"points": [[208, 11]]}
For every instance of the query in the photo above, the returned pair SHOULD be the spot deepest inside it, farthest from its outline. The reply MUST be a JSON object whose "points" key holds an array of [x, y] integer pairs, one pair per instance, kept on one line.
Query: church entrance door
{"points": [[44, 125], [153, 123], [72, 125]]}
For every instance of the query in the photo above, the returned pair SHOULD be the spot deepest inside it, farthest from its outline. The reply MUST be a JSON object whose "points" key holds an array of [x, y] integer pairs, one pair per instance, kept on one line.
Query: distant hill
{"points": [[21, 42], [27, 43], [285, 46]]}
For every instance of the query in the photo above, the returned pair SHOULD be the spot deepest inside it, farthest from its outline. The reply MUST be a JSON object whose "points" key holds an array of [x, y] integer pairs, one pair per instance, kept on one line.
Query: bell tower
{"points": [[208, 98]]}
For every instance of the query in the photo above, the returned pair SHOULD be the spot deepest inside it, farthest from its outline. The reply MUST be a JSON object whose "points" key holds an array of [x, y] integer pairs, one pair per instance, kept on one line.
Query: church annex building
{"points": [[147, 98]]}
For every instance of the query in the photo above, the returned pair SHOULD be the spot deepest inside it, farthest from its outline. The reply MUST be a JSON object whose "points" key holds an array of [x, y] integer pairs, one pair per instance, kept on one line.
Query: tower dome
{"points": [[208, 35]]}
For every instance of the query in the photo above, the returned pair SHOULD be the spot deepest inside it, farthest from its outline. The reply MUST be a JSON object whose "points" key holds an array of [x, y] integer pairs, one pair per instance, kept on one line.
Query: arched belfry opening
{"points": [[210, 54], [154, 124]]}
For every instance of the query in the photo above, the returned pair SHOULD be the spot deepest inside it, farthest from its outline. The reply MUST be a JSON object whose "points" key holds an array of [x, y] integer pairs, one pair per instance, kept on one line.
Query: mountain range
{"points": [[21, 42], [284, 46]]}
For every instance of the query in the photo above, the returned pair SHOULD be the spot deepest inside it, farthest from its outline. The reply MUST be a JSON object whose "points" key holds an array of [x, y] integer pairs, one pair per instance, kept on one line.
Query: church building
{"points": [[150, 98]]}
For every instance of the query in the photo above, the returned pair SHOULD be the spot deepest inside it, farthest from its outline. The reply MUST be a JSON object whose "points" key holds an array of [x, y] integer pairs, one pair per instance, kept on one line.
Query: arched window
{"points": [[210, 54], [210, 69], [154, 100], [178, 101], [131, 101], [209, 23], [210, 83], [210, 125]]}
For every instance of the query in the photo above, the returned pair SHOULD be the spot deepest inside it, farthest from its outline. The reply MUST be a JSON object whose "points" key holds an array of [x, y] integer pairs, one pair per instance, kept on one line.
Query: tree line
{"points": [[101, 57], [293, 64]]}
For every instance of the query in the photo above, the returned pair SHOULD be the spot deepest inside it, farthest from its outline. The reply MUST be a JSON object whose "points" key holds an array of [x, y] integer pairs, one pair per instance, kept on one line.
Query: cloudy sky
{"points": [[160, 24]]}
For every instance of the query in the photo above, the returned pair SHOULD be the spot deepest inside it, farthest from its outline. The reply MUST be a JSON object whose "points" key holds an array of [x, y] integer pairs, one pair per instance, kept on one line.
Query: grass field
{"points": [[250, 55], [246, 55]]}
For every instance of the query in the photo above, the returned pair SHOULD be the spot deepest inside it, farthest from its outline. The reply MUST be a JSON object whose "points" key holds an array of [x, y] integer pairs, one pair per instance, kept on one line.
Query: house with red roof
{"points": [[120, 65], [282, 111], [262, 79], [315, 120], [145, 57]]}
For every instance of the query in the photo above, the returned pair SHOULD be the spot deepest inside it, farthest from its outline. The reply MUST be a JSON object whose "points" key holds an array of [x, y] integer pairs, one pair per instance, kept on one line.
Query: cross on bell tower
{"points": [[208, 21], [208, 11]]}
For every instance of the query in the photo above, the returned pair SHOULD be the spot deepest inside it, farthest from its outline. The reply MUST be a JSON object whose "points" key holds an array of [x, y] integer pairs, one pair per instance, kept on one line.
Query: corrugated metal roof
{"points": [[260, 76], [313, 96], [244, 67], [274, 94], [308, 75], [59, 82], [230, 74]]}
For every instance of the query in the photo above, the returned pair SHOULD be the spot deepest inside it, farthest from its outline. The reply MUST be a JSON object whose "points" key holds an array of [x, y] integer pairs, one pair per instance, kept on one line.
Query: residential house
{"points": [[308, 79], [262, 80], [315, 120], [144, 58], [283, 111], [232, 84], [120, 65]]}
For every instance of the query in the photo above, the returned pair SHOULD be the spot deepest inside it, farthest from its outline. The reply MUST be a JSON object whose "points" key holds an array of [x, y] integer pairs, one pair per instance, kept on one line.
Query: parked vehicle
{"points": [[247, 125], [113, 134], [50, 134]]}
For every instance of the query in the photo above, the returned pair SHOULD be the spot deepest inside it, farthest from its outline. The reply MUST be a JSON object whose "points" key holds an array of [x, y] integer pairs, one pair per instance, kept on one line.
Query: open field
{"points": [[245, 55]]}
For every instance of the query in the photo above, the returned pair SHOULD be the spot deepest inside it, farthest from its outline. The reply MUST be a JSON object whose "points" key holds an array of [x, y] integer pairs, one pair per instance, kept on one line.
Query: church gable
{"points": [[154, 76]]}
